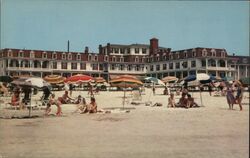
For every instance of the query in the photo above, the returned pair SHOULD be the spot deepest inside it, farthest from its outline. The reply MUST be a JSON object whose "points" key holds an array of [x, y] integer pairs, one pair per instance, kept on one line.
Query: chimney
{"points": [[68, 46], [108, 48], [100, 49], [153, 45], [86, 50]]}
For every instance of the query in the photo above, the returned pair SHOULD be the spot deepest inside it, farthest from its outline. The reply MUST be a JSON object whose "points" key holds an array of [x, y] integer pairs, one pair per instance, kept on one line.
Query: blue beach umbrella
{"points": [[155, 80]]}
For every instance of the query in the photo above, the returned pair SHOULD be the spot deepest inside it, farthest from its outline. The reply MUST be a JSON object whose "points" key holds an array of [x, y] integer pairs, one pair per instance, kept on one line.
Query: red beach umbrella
{"points": [[79, 78]]}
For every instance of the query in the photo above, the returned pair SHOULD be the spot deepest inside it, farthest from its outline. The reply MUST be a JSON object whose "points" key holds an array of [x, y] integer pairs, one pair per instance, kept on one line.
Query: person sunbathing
{"points": [[183, 101], [190, 102], [65, 99], [91, 107], [4, 90], [171, 101], [82, 106], [54, 101]]}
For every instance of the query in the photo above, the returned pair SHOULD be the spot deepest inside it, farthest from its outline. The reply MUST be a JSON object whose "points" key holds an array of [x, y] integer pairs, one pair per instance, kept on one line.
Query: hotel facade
{"points": [[115, 59]]}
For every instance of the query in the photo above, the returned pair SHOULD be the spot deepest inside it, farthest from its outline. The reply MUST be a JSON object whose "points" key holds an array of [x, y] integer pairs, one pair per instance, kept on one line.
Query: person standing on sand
{"points": [[239, 96], [171, 101], [230, 97]]}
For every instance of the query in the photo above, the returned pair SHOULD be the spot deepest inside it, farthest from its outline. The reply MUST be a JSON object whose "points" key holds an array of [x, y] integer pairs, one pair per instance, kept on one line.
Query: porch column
{"points": [[238, 72], [246, 71]]}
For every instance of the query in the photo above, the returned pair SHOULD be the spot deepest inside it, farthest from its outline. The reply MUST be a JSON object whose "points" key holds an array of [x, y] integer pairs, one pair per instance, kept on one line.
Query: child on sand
{"points": [[56, 102], [171, 101]]}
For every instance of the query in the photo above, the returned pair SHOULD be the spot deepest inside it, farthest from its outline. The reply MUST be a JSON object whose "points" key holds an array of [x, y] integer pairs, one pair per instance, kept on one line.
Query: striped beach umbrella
{"points": [[54, 79], [169, 79], [125, 81], [79, 78]]}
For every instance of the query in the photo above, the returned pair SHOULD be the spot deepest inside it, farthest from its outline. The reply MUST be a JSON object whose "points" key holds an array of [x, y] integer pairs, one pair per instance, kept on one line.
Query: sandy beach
{"points": [[144, 132]]}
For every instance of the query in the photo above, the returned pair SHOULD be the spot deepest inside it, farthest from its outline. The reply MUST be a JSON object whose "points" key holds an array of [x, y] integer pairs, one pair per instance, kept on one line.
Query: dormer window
{"points": [[136, 50], [21, 54], [70, 56], [144, 50], [171, 56], [32, 54], [63, 56], [223, 54], [96, 59], [193, 53], [54, 56], [177, 55], [204, 52], [185, 54], [9, 53], [89, 57], [44, 55], [78, 57], [213, 52]]}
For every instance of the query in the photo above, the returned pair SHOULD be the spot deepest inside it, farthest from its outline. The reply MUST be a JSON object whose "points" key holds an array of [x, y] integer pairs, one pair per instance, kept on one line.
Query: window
{"points": [[193, 63], [44, 55], [83, 66], [164, 67], [106, 58], [137, 68], [157, 67], [100, 66], [20, 54], [177, 55], [121, 59], [151, 67], [122, 50], [54, 55], [63, 56], [64, 65], [171, 56], [129, 68], [136, 59], [94, 66], [171, 65], [9, 53], [204, 52], [112, 67], [185, 54], [116, 50], [113, 59], [193, 53], [54, 65], [89, 57], [177, 65], [32, 55], [144, 50], [203, 63], [73, 66], [184, 64], [121, 67], [96, 59], [128, 50], [136, 50], [78, 57], [69, 56]]}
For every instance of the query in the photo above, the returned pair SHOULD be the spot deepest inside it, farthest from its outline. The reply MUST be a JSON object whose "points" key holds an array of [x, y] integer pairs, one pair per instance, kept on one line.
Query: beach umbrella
{"points": [[245, 81], [31, 82], [198, 79], [79, 78], [54, 79], [227, 79], [7, 79], [99, 80], [154, 80], [125, 81], [169, 79]]}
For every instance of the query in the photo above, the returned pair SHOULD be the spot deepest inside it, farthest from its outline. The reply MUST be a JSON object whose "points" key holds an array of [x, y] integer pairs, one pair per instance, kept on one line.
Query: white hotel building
{"points": [[134, 59]]}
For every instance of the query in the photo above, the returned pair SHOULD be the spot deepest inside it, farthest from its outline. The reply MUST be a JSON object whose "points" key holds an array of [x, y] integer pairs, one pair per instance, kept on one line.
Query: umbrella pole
{"points": [[30, 104], [201, 98], [124, 95]]}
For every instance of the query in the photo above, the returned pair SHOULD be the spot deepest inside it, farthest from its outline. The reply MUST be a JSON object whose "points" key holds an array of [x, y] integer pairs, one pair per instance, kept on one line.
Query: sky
{"points": [[49, 24]]}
